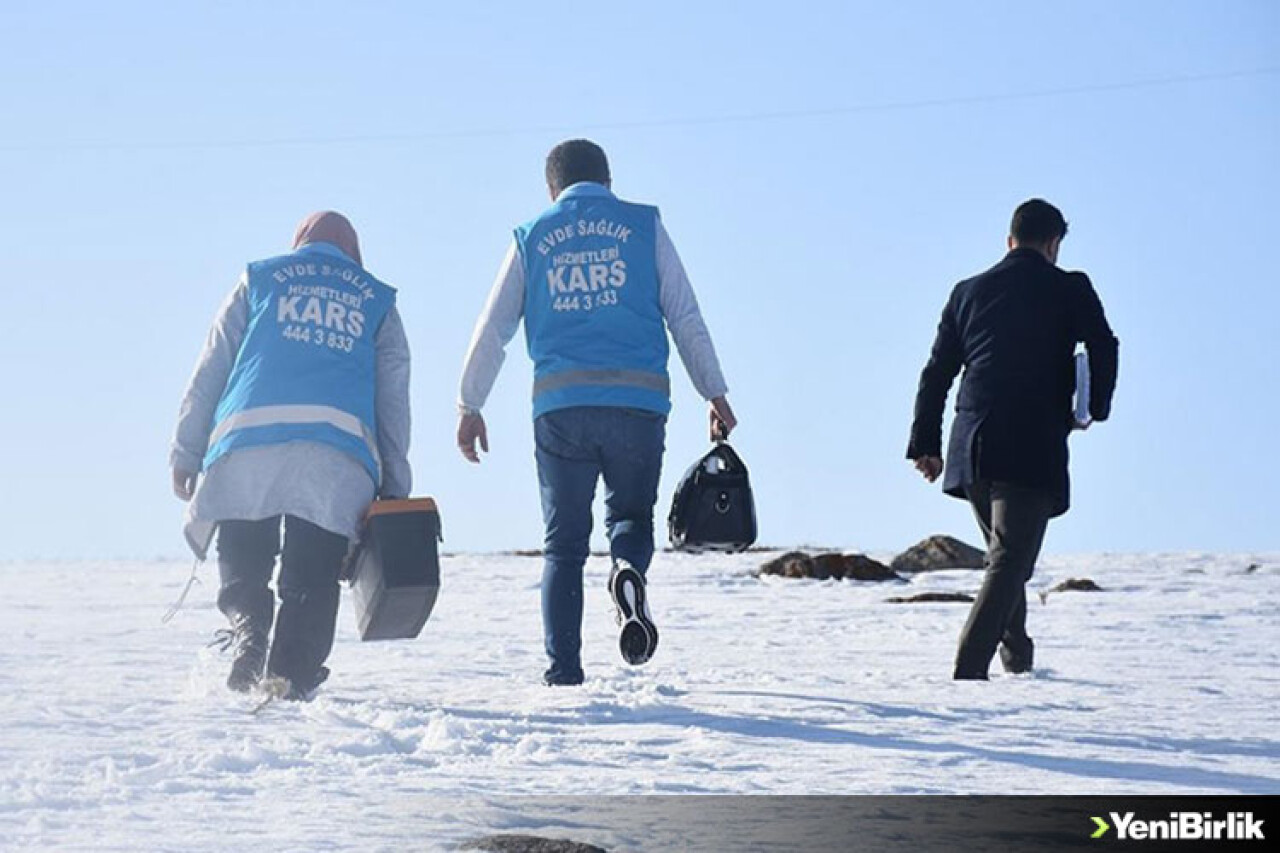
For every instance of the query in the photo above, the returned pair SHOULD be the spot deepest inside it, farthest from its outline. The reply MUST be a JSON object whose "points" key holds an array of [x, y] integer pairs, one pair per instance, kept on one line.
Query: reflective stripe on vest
{"points": [[269, 416], [615, 378]]}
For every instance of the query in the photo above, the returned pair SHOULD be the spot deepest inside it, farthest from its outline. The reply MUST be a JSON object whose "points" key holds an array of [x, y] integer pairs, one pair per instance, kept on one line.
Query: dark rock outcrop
{"points": [[529, 844], [797, 564], [939, 552], [925, 597], [793, 564], [1077, 585], [860, 567], [1071, 585]]}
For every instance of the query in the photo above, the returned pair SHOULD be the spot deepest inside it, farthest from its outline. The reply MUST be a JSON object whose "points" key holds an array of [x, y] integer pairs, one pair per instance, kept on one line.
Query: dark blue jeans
{"points": [[575, 448]]}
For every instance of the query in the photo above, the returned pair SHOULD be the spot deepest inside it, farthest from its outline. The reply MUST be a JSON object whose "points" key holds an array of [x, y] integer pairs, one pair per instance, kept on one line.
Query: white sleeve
{"points": [[391, 402], [494, 330], [209, 380], [684, 319]]}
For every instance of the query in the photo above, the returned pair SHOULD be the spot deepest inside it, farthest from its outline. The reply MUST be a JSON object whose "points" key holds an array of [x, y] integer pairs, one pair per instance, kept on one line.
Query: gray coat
{"points": [[310, 480]]}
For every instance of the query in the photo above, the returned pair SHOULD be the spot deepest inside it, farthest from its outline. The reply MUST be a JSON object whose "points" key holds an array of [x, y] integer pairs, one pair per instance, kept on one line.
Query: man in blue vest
{"points": [[598, 284], [298, 412]]}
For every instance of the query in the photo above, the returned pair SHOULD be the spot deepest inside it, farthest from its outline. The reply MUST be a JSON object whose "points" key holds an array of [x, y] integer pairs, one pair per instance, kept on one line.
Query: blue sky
{"points": [[827, 170]]}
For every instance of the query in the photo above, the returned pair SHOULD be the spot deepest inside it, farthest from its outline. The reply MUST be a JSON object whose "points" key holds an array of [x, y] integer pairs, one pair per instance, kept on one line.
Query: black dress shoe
{"points": [[1017, 661]]}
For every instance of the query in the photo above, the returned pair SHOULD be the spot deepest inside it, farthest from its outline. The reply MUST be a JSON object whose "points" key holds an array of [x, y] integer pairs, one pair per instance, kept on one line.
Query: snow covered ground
{"points": [[117, 734]]}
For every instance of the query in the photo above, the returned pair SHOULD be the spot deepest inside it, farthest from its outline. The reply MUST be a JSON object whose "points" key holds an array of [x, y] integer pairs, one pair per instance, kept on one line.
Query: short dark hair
{"points": [[574, 161], [1036, 222]]}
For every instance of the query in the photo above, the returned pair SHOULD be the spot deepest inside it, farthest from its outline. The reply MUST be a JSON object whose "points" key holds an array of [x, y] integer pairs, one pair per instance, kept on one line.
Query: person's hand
{"points": [[470, 429], [184, 484], [722, 418], [929, 466]]}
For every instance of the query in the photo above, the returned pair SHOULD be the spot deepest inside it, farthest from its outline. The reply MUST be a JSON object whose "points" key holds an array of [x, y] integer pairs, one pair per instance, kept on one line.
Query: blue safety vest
{"points": [[592, 315], [306, 370]]}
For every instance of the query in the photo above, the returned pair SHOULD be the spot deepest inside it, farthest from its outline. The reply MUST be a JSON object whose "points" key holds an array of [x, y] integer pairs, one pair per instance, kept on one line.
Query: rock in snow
{"points": [[793, 564], [928, 597], [859, 567], [939, 552], [1071, 585], [529, 844]]}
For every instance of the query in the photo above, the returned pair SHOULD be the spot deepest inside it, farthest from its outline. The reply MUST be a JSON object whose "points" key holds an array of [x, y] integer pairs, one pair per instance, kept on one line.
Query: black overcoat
{"points": [[1014, 330]]}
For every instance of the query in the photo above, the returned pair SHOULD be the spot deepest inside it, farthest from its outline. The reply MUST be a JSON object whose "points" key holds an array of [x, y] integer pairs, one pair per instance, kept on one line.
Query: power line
{"points": [[659, 123]]}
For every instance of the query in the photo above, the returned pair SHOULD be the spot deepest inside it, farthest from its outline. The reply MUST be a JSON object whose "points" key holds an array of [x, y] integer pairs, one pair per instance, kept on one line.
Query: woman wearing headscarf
{"points": [[296, 418]]}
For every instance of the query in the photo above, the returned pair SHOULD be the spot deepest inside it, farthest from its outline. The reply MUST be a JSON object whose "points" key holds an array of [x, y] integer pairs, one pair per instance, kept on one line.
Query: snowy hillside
{"points": [[117, 733]]}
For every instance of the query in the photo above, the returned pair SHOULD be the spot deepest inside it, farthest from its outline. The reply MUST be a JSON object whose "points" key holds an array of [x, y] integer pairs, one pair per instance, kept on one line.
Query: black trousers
{"points": [[1013, 519], [308, 588]]}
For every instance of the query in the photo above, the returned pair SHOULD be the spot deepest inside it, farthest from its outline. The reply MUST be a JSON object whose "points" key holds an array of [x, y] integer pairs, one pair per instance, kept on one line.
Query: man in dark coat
{"points": [[1014, 329]]}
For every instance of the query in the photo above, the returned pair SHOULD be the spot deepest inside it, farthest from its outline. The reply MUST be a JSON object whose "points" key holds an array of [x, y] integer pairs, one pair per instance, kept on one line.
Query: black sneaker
{"points": [[639, 638], [556, 678]]}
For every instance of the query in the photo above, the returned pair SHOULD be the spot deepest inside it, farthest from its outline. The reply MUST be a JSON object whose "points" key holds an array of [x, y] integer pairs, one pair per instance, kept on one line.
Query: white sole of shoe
{"points": [[639, 638]]}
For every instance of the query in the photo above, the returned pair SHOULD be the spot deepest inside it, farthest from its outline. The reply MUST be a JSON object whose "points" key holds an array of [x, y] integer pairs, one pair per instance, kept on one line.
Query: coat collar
{"points": [[585, 189], [1024, 252], [321, 248]]}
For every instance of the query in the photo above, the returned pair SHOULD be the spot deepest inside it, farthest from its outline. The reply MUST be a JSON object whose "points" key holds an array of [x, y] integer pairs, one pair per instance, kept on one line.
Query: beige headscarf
{"points": [[327, 226]]}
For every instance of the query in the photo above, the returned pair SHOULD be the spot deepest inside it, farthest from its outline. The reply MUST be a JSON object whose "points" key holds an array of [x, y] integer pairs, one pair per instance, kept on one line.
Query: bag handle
{"points": [[725, 452]]}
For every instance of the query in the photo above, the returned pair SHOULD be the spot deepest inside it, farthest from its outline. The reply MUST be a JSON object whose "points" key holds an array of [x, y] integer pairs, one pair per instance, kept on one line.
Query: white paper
{"points": [[1082, 389]]}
